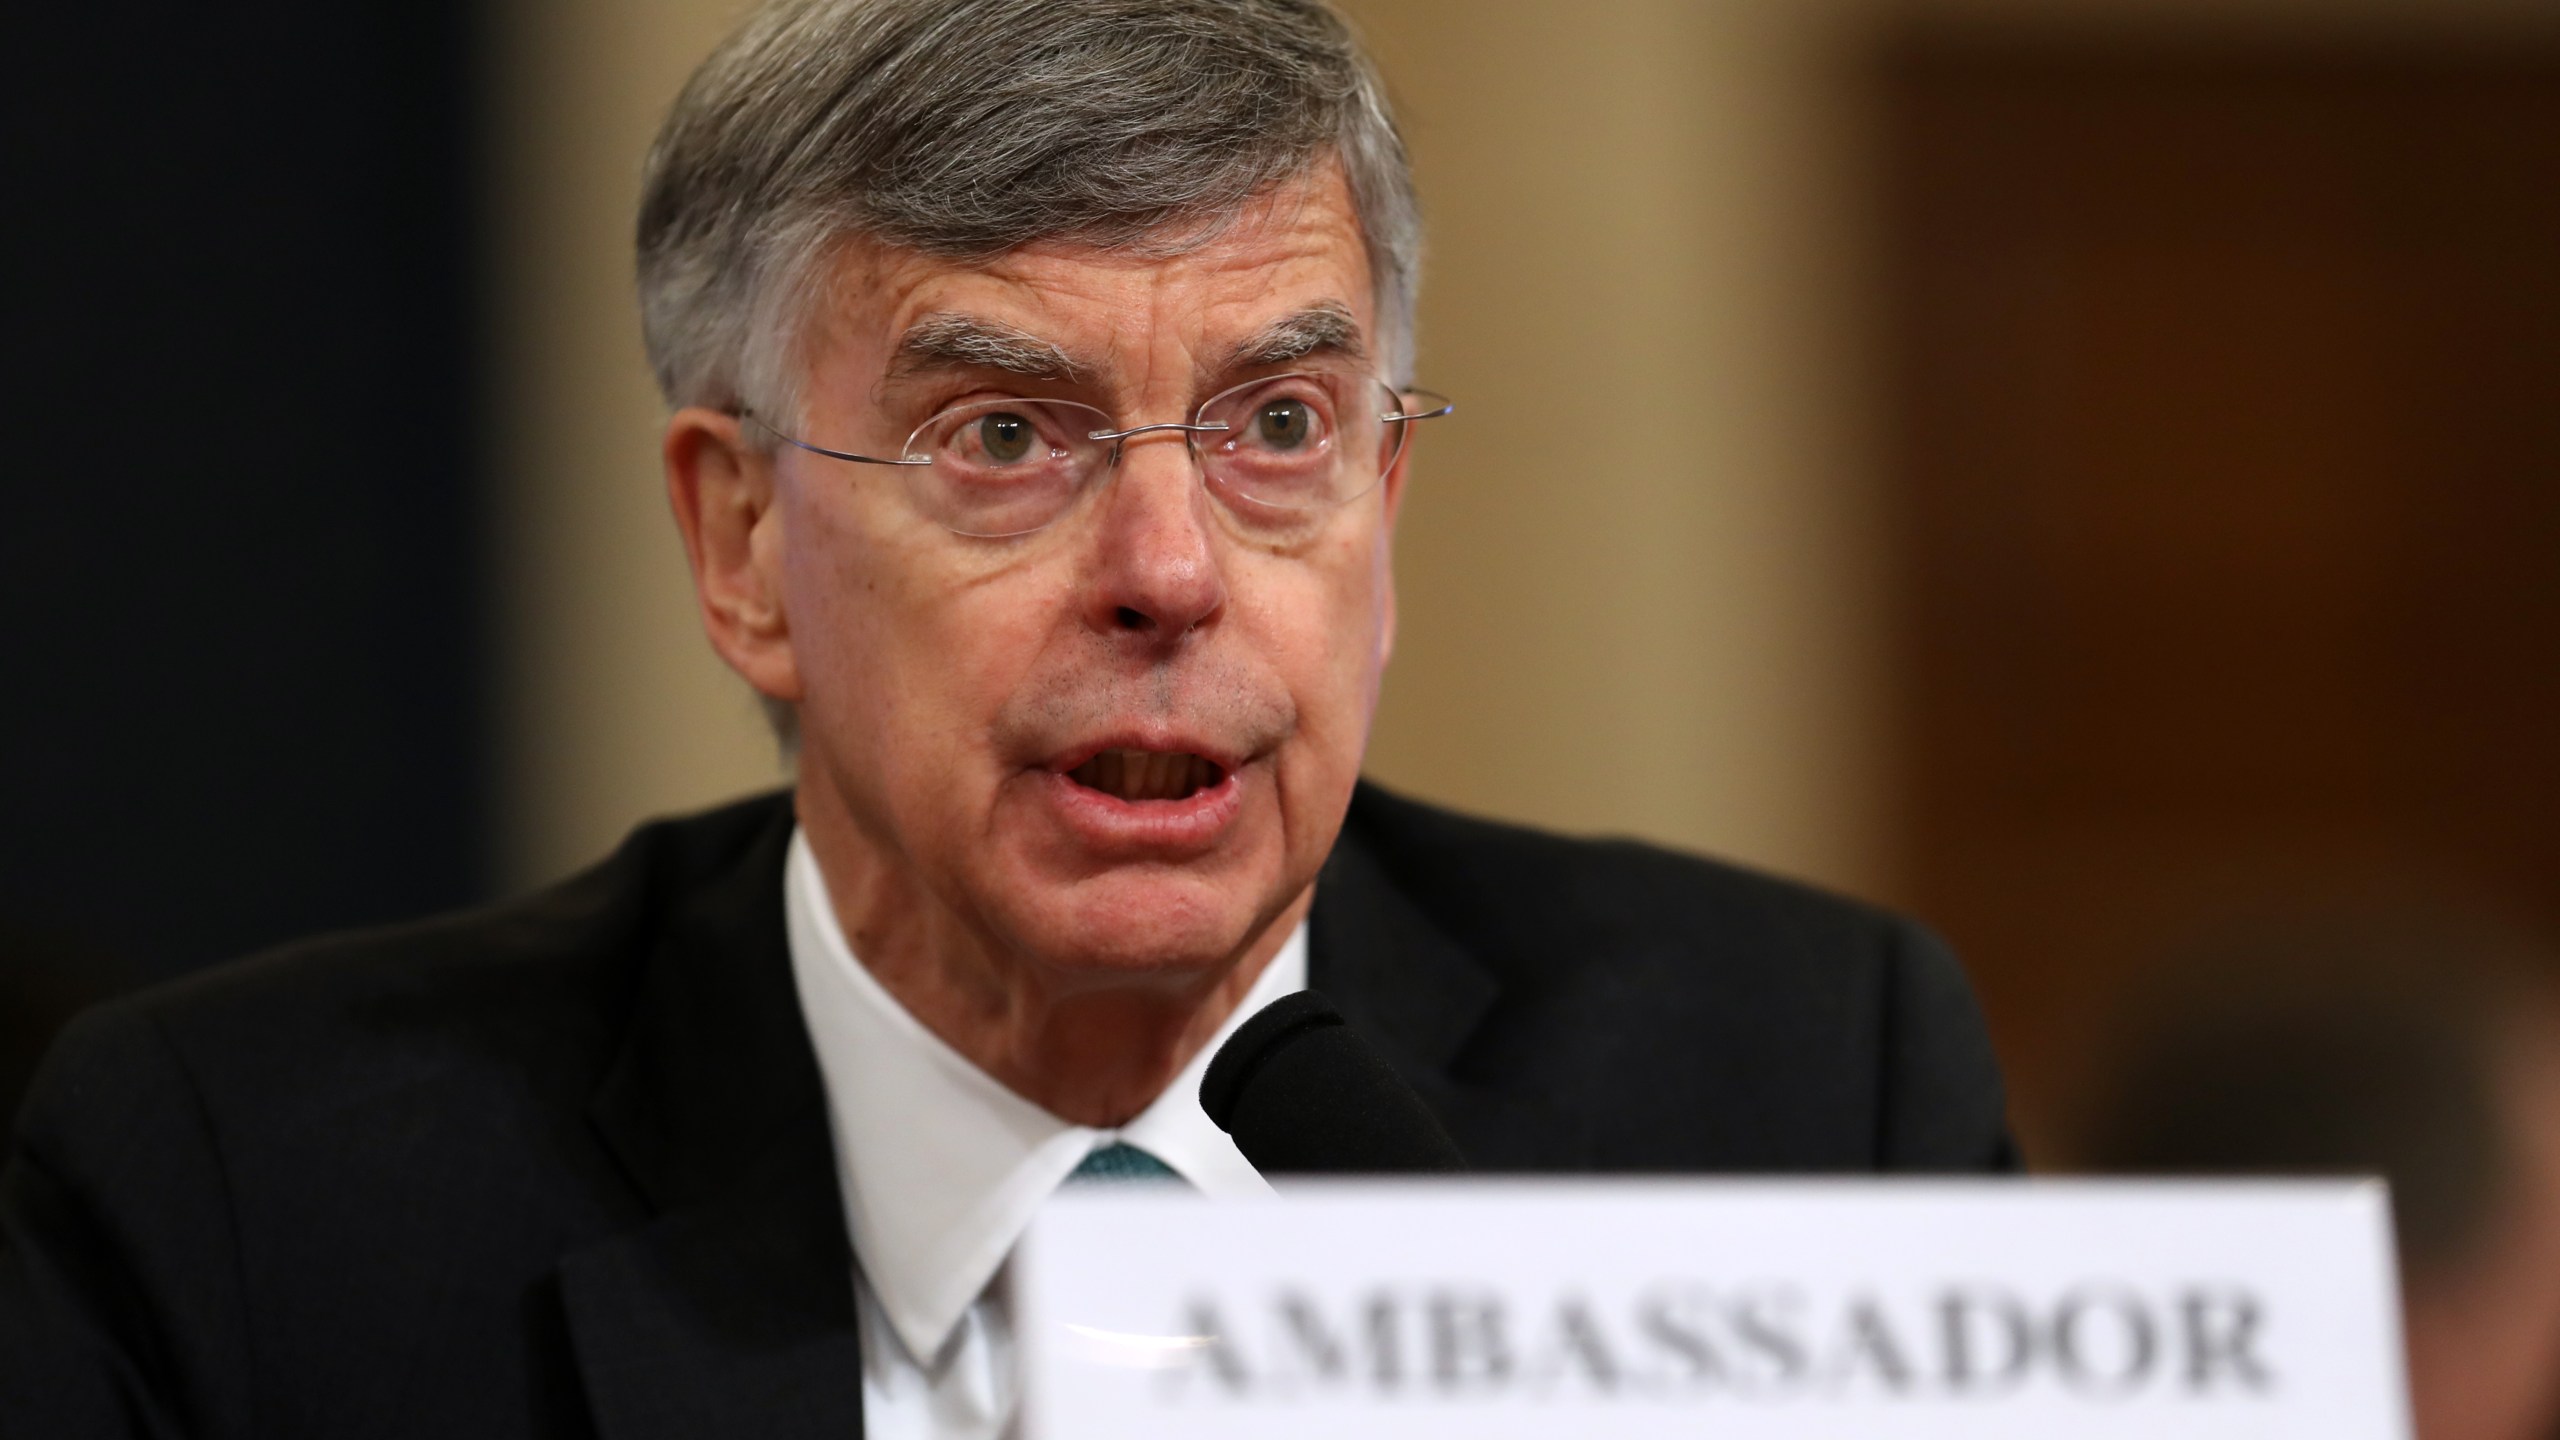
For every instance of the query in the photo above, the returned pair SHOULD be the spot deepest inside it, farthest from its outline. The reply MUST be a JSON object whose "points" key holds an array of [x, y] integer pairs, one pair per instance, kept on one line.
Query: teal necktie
{"points": [[1119, 1162]]}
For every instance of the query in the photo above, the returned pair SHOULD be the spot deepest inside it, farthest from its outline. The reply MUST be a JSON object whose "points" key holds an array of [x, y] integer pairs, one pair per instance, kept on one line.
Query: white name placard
{"points": [[1743, 1310]]}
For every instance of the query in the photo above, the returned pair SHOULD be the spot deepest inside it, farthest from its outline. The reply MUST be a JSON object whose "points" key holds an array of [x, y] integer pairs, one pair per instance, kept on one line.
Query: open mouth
{"points": [[1147, 774]]}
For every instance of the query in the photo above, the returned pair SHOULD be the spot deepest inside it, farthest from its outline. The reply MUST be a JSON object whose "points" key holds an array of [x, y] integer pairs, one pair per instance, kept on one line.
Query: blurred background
{"points": [[2087, 471]]}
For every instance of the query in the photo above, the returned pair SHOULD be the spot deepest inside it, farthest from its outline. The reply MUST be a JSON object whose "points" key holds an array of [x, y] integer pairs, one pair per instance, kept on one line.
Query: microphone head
{"points": [[1303, 1094]]}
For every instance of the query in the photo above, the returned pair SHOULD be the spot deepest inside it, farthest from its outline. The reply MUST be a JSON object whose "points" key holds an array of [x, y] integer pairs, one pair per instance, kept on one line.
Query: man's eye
{"points": [[1006, 437], [1283, 424]]}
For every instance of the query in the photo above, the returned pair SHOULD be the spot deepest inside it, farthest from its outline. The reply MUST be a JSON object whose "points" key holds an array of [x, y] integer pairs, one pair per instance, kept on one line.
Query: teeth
{"points": [[1145, 775]]}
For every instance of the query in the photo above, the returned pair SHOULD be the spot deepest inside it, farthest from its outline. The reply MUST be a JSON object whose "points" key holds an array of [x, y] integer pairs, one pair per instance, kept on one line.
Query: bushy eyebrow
{"points": [[1324, 328], [951, 341]]}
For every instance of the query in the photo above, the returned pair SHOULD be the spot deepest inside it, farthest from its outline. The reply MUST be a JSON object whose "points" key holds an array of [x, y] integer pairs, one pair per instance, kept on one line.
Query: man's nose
{"points": [[1157, 577]]}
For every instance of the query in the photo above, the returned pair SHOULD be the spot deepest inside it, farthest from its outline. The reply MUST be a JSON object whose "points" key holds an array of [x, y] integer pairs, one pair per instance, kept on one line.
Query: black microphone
{"points": [[1304, 1095]]}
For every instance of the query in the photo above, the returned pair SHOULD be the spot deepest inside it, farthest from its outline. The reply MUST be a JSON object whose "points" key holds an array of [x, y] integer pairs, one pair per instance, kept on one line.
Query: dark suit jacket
{"points": [[560, 1167]]}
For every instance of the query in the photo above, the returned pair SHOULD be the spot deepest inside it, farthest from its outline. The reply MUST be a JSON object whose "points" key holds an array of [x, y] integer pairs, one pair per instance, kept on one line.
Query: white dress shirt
{"points": [[942, 1168]]}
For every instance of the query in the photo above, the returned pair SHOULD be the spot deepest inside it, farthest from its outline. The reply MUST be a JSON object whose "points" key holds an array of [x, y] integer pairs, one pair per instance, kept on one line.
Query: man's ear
{"points": [[722, 491]]}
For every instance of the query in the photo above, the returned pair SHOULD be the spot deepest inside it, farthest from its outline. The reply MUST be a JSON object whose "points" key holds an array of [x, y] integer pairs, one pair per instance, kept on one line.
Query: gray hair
{"points": [[966, 128]]}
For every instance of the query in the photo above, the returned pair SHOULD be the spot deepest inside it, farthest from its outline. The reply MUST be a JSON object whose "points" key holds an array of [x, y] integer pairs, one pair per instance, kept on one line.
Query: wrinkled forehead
{"points": [[1285, 281]]}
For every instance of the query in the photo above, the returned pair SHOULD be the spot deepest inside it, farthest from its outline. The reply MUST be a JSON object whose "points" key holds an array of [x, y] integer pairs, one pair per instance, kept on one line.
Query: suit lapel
{"points": [[1419, 995], [730, 1310], [731, 1318], [1411, 989]]}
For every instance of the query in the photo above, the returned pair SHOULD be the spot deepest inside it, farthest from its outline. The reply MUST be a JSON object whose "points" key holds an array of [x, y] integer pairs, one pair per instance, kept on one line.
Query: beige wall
{"points": [[613, 706], [1637, 569], [1634, 567]]}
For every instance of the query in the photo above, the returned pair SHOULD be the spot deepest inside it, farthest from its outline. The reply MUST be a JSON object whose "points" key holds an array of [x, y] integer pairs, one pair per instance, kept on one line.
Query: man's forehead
{"points": [[1288, 279]]}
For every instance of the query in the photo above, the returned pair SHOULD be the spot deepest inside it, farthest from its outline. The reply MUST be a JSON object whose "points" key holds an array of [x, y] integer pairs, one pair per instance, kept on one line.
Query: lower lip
{"points": [[1150, 829]]}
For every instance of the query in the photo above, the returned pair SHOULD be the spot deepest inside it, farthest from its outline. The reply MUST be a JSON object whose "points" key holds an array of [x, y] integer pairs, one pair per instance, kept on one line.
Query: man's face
{"points": [[954, 693]]}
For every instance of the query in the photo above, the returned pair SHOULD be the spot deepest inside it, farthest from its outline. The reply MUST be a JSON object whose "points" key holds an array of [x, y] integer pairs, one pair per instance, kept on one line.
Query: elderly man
{"points": [[1040, 419]]}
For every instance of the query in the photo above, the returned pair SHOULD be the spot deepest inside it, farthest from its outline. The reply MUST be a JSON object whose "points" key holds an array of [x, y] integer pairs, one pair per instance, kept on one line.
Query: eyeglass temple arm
{"points": [[758, 421], [1444, 407]]}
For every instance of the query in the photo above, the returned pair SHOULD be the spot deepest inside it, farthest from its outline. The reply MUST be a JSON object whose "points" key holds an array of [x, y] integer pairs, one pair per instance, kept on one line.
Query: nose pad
{"points": [[1190, 431], [1190, 449]]}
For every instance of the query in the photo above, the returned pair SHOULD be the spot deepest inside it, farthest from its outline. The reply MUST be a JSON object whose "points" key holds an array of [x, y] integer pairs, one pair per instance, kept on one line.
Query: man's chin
{"points": [[1136, 921]]}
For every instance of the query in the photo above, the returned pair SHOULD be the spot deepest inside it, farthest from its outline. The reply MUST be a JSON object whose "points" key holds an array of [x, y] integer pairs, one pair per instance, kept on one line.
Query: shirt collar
{"points": [[942, 1167]]}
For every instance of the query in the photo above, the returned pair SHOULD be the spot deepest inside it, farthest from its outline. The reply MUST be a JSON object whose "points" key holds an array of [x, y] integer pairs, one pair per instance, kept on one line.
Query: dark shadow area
{"points": [[239, 560]]}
